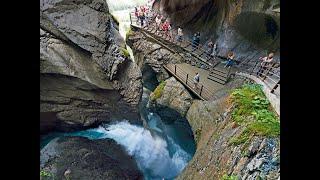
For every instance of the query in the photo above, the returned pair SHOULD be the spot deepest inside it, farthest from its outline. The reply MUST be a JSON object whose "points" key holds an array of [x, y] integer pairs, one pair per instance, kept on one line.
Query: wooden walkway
{"points": [[212, 73], [185, 74]]}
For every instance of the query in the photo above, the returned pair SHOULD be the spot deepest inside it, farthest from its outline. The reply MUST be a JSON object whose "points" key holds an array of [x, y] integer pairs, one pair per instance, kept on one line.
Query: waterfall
{"points": [[156, 157]]}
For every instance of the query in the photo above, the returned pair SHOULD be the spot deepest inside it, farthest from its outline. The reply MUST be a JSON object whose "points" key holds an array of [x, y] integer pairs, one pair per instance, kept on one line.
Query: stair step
{"points": [[213, 73], [216, 80], [218, 77], [219, 71]]}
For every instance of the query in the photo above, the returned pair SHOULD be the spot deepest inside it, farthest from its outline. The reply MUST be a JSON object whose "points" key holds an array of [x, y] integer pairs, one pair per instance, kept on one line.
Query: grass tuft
{"points": [[253, 110], [157, 93]]}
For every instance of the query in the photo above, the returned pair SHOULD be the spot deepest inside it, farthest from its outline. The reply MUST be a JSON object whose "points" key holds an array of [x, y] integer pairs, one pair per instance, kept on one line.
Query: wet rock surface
{"points": [[150, 56], [80, 54], [81, 158], [174, 96]]}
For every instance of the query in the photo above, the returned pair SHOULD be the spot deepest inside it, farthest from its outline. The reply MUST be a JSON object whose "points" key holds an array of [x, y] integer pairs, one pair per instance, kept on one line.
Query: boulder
{"points": [[173, 95], [81, 158], [85, 78]]}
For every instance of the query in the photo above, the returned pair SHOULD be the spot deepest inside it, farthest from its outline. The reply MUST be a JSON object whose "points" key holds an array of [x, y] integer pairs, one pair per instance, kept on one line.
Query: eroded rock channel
{"points": [[105, 116]]}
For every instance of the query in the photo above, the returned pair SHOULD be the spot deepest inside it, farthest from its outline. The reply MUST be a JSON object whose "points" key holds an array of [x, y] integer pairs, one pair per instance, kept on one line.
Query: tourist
{"points": [[214, 51], [194, 39], [136, 13], [210, 47], [164, 26], [230, 60], [180, 34], [169, 31], [265, 62], [198, 39], [158, 23], [141, 17], [196, 80]]}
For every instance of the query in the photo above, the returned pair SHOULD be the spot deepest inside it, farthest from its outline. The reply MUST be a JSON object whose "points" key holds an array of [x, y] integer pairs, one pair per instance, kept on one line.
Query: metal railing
{"points": [[208, 62], [199, 89]]}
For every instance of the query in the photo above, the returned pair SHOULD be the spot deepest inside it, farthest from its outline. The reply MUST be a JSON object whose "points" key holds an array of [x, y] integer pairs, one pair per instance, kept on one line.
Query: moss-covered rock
{"points": [[173, 95]]}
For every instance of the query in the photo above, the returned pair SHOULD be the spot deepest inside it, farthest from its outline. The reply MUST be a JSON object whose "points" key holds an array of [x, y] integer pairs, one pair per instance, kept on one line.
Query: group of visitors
{"points": [[162, 24], [142, 15]]}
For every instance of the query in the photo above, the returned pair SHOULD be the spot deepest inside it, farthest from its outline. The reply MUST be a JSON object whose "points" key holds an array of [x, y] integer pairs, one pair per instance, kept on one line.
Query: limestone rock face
{"points": [[150, 56], [174, 96], [247, 27], [81, 158], [85, 77]]}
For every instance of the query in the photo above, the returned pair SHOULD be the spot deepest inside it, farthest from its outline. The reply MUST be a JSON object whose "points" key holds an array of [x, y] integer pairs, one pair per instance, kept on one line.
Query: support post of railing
{"points": [[175, 69], [187, 79], [266, 74], [201, 89], [275, 87], [254, 67], [227, 78]]}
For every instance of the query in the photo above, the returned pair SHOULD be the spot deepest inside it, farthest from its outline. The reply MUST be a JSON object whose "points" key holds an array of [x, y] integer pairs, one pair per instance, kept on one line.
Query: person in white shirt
{"points": [[158, 22], [196, 80], [265, 62], [180, 34]]}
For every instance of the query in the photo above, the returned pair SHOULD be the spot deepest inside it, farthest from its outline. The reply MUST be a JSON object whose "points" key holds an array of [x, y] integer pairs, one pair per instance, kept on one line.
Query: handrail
{"points": [[242, 66], [201, 91]]}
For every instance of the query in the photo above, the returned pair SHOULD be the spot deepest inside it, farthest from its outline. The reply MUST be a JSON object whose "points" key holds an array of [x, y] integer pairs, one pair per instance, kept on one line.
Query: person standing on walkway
{"points": [[180, 34], [265, 62], [136, 13], [214, 51], [196, 80], [141, 16], [194, 40], [158, 23], [169, 31], [230, 60]]}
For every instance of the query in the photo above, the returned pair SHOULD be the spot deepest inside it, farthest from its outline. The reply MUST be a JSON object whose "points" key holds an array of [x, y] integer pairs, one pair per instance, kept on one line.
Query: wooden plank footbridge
{"points": [[213, 74]]}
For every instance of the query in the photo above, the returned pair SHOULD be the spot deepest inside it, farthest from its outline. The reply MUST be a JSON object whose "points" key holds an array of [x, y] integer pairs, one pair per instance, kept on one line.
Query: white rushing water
{"points": [[120, 9], [150, 150]]}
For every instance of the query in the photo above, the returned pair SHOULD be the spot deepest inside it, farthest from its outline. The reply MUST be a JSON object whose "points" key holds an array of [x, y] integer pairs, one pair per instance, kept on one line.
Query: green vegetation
{"points": [[253, 110], [231, 177], [157, 93], [125, 52], [197, 134], [128, 33], [45, 174]]}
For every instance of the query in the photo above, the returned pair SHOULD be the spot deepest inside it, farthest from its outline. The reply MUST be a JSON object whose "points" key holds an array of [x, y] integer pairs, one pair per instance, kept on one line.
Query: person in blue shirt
{"points": [[230, 60]]}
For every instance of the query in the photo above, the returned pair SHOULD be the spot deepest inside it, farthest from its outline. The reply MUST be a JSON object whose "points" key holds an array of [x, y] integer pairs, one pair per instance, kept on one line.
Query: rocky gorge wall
{"points": [[210, 121], [214, 130], [250, 28], [85, 77]]}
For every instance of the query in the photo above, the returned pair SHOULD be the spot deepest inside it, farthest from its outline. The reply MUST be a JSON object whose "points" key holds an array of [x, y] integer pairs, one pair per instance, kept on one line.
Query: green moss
{"points": [[128, 33], [125, 52], [197, 134], [45, 174], [231, 177], [242, 138], [253, 110], [157, 93]]}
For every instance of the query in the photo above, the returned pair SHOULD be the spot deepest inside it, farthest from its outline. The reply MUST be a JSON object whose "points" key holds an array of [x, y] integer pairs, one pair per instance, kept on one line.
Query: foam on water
{"points": [[150, 151]]}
